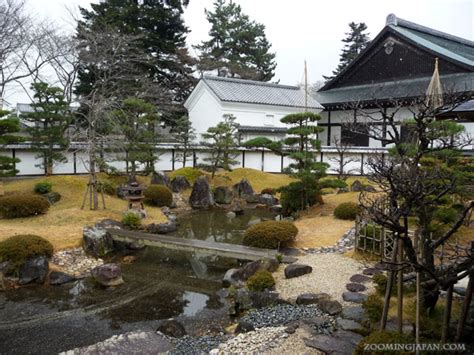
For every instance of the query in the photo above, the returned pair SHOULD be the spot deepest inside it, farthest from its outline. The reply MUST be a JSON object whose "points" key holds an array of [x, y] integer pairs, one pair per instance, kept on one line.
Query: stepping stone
{"points": [[371, 271], [358, 278], [290, 251], [339, 342], [331, 307], [295, 270], [348, 324], [289, 259], [355, 313], [354, 297], [355, 287]]}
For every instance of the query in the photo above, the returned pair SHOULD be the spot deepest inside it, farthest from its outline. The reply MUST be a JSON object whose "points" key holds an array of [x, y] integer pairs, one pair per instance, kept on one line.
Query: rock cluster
{"points": [[34, 270], [160, 178], [345, 243], [179, 184], [108, 275], [97, 241], [75, 262]]}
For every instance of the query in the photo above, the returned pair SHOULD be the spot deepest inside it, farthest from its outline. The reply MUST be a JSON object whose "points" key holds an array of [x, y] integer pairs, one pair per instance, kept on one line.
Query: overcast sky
{"points": [[308, 30]]}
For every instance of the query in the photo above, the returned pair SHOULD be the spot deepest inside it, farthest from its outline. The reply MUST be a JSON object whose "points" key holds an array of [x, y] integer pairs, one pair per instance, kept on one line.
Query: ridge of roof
{"points": [[393, 20], [249, 82], [402, 28]]}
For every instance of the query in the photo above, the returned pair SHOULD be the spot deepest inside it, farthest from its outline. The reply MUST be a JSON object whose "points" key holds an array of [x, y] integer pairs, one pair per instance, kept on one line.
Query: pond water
{"points": [[160, 284]]}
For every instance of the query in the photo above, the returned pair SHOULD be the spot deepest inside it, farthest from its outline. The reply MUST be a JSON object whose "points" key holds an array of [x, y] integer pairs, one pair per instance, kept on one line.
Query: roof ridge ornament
{"points": [[391, 20]]}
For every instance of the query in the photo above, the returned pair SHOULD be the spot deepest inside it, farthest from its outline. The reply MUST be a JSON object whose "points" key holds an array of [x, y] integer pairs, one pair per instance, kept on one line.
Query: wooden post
{"points": [[281, 167], [194, 159], [263, 160], [388, 291], [361, 163], [467, 301], [172, 159], [243, 158], [400, 289], [74, 155], [447, 314]]}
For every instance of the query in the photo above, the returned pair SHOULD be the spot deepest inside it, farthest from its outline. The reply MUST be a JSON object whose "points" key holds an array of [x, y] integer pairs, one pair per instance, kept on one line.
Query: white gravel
{"points": [[331, 273]]}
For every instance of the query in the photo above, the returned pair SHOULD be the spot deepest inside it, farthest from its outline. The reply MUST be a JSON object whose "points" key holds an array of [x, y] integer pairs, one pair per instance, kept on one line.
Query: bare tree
{"points": [[20, 39], [342, 160], [114, 61]]}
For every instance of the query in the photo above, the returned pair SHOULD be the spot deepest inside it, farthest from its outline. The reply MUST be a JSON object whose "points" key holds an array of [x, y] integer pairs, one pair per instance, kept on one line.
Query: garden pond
{"points": [[159, 284]]}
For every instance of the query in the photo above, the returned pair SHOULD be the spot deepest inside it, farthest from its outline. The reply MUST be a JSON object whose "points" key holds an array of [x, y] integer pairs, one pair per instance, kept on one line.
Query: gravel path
{"points": [[331, 273]]}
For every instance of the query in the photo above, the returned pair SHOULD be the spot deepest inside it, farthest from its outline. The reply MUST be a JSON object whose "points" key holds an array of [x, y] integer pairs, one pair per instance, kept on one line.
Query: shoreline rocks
{"points": [[34, 270], [75, 262], [108, 275], [201, 195]]}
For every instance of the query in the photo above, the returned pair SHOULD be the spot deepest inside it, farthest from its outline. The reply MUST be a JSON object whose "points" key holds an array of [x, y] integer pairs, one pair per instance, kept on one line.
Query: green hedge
{"points": [[270, 234], [158, 195], [19, 248], [22, 205]]}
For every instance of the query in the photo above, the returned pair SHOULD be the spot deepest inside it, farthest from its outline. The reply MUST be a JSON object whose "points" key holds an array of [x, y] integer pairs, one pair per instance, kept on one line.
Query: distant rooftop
{"points": [[257, 92]]}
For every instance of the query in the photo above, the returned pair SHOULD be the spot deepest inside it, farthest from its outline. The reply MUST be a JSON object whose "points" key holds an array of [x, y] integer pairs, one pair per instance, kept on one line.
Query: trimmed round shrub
{"points": [[43, 187], [22, 205], [158, 195], [19, 248], [291, 197], [347, 211], [268, 191], [379, 337], [132, 220], [260, 281], [270, 234]]}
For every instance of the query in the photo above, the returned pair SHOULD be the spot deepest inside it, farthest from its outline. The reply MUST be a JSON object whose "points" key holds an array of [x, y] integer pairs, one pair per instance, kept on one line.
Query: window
{"points": [[356, 135], [269, 120]]}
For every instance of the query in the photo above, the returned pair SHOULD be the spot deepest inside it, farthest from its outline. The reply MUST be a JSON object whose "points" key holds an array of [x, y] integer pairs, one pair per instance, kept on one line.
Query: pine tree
{"points": [[355, 42], [50, 120], [137, 120], [8, 127], [159, 30], [221, 141], [238, 46], [184, 133]]}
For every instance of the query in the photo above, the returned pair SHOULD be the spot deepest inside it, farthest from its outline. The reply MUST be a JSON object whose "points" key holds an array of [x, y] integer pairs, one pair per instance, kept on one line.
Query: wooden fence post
{"points": [[447, 314], [388, 291], [400, 288]]}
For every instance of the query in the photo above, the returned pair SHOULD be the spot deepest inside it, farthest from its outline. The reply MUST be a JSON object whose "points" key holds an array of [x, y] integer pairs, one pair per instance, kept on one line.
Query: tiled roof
{"points": [[409, 88], [256, 92]]}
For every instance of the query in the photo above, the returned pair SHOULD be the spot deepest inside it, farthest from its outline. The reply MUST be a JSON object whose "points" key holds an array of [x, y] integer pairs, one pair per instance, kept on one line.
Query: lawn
{"points": [[63, 223]]}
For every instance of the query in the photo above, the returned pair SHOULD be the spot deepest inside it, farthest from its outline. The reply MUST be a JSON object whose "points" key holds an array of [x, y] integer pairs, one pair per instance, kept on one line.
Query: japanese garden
{"points": [[163, 197]]}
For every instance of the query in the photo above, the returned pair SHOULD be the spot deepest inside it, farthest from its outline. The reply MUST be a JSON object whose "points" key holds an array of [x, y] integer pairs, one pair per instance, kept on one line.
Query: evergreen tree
{"points": [[8, 127], [221, 141], [184, 133], [159, 30], [50, 120], [136, 121], [355, 42], [238, 46]]}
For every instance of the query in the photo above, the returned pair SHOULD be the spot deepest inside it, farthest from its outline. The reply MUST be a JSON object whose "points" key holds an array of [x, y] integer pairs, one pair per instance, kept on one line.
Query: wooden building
{"points": [[396, 67]]}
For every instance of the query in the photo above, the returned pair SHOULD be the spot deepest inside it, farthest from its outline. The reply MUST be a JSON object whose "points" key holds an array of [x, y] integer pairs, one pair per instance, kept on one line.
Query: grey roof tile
{"points": [[394, 89], [256, 92]]}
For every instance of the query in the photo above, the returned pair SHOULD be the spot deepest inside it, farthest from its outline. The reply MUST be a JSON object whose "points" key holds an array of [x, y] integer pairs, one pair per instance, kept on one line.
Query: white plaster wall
{"points": [[205, 112], [27, 164], [253, 160], [66, 167], [272, 162]]}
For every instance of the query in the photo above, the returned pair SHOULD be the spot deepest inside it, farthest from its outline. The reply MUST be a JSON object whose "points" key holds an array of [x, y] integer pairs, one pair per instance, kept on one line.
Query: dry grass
{"points": [[258, 179], [63, 223], [318, 227]]}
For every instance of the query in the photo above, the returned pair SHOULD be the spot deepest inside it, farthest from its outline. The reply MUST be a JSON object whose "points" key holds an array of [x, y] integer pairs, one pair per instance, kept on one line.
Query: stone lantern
{"points": [[135, 197]]}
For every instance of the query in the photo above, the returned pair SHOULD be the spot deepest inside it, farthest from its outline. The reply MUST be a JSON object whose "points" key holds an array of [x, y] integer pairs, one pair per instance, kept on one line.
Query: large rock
{"points": [[232, 277], [244, 327], [295, 270], [223, 195], [348, 324], [354, 297], [237, 208], [108, 275], [59, 278], [357, 186], [243, 188], [180, 183], [201, 196], [160, 178], [268, 200], [97, 241], [162, 228], [172, 328], [331, 307], [34, 270], [311, 298]]}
